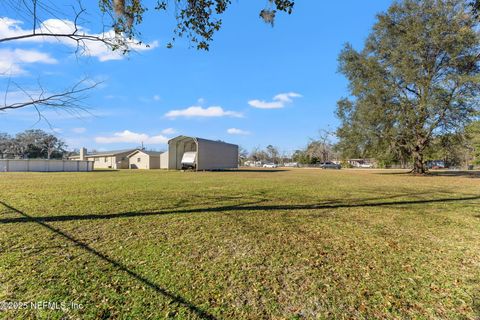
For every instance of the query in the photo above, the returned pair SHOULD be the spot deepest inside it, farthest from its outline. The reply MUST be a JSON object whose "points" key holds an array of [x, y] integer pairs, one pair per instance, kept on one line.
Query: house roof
{"points": [[107, 153], [150, 153]]}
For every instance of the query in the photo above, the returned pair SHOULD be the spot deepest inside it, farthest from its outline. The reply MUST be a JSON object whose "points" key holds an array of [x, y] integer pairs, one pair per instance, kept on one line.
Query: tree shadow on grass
{"points": [[247, 170], [249, 206], [453, 173], [118, 265], [440, 173]]}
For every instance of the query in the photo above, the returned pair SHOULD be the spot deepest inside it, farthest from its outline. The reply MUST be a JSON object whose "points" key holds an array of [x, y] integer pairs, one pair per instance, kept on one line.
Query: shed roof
{"points": [[179, 138]]}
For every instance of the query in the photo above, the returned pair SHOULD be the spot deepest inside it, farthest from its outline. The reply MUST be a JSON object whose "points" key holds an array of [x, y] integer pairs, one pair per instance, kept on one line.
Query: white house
{"points": [[141, 159], [106, 160]]}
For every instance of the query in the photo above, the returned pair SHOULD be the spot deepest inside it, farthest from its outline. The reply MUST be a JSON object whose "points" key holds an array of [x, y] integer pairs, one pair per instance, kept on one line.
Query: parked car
{"points": [[270, 165], [366, 165], [330, 165], [436, 164]]}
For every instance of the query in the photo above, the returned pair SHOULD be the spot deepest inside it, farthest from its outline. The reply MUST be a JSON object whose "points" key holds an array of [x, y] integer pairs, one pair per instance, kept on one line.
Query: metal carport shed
{"points": [[210, 155]]}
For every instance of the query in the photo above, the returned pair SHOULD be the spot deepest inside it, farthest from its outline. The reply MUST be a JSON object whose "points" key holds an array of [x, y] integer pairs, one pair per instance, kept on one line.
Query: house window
{"points": [[97, 159], [139, 159], [105, 159]]}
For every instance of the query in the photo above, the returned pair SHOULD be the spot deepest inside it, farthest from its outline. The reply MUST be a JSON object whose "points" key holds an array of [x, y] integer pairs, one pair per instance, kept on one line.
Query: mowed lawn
{"points": [[286, 244]]}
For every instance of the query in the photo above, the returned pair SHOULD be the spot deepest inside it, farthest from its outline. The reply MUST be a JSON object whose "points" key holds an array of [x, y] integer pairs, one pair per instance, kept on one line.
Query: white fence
{"points": [[41, 165]]}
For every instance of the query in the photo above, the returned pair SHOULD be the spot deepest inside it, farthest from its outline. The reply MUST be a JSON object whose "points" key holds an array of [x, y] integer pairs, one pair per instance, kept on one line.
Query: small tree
{"points": [[242, 155], [272, 153], [6, 145]]}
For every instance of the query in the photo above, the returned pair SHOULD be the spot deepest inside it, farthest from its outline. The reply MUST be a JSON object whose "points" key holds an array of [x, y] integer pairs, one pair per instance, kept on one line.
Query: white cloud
{"points": [[238, 131], [12, 61], [11, 28], [169, 131], [79, 130], [278, 102], [260, 104], [197, 111], [127, 136], [156, 97]]}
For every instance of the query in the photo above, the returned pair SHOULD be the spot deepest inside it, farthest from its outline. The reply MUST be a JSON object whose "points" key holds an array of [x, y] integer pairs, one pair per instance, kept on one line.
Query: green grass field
{"points": [[289, 244]]}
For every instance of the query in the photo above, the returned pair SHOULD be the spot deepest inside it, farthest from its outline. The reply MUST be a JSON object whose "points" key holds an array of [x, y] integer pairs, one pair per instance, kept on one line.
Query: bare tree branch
{"points": [[119, 42], [70, 99], [66, 100]]}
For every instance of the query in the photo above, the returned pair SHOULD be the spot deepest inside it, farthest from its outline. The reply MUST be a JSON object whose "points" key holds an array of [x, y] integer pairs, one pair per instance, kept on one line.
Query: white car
{"points": [[366, 165], [270, 165]]}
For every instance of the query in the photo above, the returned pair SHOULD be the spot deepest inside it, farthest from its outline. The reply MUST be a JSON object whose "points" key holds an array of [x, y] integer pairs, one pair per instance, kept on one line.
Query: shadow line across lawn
{"points": [[475, 174], [120, 266], [251, 206]]}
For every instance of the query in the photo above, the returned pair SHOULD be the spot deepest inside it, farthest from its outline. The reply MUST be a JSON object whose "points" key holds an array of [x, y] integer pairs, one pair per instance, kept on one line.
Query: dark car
{"points": [[330, 165]]}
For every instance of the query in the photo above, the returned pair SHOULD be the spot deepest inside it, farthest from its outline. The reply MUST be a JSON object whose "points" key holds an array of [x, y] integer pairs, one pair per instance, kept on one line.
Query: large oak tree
{"points": [[416, 78]]}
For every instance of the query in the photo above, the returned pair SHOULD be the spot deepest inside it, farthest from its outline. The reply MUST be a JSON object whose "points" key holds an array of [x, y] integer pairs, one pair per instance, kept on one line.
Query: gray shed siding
{"points": [[213, 155]]}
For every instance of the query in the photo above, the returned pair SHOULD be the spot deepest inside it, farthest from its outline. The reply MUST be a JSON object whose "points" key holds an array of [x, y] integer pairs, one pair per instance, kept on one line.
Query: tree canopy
{"points": [[196, 20], [31, 144], [473, 140], [416, 78]]}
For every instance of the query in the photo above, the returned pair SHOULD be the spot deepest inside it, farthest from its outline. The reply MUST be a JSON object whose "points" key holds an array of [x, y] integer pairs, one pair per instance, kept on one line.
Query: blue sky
{"points": [[256, 86]]}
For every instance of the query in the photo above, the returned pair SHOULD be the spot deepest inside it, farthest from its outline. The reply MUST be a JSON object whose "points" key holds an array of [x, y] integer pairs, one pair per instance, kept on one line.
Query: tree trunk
{"points": [[418, 164]]}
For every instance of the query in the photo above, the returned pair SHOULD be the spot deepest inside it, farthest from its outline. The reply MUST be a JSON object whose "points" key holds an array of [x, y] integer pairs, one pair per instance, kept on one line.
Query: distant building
{"points": [[291, 164], [117, 159], [201, 154], [361, 163], [251, 163], [141, 159]]}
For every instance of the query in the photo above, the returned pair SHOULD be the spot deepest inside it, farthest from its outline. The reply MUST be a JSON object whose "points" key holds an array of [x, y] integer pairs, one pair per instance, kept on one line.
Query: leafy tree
{"points": [[416, 78], [272, 153], [473, 140], [37, 144], [196, 20], [475, 8], [321, 149], [258, 155], [300, 156], [452, 148], [6, 142]]}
